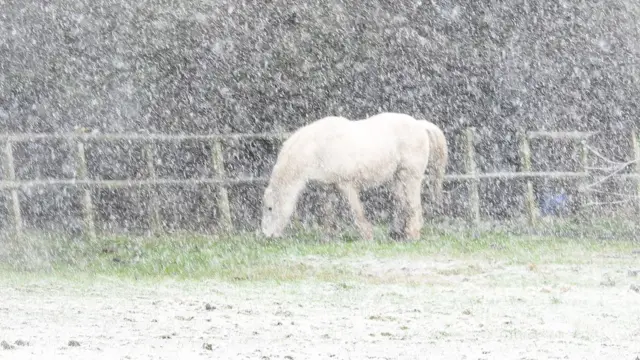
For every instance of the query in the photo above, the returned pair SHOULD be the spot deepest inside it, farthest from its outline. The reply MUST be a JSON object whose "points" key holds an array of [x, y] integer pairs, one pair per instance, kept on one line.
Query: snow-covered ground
{"points": [[411, 309]]}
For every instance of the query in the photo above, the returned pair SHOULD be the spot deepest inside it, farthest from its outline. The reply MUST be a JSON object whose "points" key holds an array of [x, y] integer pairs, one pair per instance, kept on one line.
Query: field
{"points": [[456, 294]]}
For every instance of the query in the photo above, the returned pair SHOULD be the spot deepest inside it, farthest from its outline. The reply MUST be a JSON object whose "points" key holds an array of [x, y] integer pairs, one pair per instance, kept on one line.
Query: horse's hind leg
{"points": [[408, 189], [399, 213], [353, 197], [414, 220]]}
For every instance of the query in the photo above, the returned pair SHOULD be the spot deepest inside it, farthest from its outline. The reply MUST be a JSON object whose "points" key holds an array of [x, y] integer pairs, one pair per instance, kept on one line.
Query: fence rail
{"points": [[24, 184], [141, 136], [144, 136], [471, 176]]}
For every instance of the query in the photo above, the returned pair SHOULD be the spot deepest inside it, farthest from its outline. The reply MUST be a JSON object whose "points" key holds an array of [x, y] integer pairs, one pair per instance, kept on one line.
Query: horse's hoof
{"points": [[367, 235], [396, 235], [411, 235]]}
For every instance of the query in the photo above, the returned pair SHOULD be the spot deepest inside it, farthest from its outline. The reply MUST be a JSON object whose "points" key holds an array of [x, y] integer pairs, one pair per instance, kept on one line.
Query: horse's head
{"points": [[275, 212], [280, 196]]}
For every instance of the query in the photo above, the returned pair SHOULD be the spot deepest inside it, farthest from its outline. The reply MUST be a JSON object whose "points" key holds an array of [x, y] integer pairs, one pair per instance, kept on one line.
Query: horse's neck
{"points": [[286, 181]]}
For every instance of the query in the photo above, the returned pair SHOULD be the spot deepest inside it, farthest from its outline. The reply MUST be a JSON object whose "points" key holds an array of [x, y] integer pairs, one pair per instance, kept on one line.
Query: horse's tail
{"points": [[438, 159], [443, 157]]}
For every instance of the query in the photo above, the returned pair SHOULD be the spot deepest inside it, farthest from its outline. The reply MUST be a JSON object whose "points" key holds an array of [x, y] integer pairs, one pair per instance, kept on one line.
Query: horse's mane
{"points": [[297, 140], [282, 163]]}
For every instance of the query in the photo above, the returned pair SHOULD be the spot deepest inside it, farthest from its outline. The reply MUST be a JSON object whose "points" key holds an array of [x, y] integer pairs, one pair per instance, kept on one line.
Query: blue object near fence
{"points": [[554, 204]]}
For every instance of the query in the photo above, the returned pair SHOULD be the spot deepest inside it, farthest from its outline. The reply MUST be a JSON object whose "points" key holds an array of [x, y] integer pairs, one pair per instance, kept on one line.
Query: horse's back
{"points": [[377, 135], [335, 129], [373, 149], [369, 150], [402, 126]]}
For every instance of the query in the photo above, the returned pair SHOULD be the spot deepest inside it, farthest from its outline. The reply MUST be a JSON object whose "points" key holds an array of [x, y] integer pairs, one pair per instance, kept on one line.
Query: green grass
{"points": [[248, 257]]}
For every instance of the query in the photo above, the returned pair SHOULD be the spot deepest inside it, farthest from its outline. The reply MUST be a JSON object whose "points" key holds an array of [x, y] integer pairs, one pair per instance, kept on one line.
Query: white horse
{"points": [[351, 155]]}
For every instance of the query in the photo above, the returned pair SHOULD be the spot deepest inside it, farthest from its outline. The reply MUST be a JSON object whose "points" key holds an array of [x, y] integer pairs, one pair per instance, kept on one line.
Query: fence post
{"points": [[525, 157], [156, 223], [472, 184], [217, 162], [584, 160], [10, 175], [87, 204], [635, 148]]}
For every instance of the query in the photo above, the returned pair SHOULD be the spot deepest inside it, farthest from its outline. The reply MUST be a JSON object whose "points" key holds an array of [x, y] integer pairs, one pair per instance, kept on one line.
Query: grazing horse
{"points": [[438, 161], [351, 155]]}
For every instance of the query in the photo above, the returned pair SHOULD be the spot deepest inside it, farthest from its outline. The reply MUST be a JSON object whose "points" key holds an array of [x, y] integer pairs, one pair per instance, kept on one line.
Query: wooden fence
{"points": [[471, 176]]}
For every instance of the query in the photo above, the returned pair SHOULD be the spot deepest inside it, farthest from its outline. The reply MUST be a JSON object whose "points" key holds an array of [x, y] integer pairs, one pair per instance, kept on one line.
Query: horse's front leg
{"points": [[328, 210], [353, 197]]}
